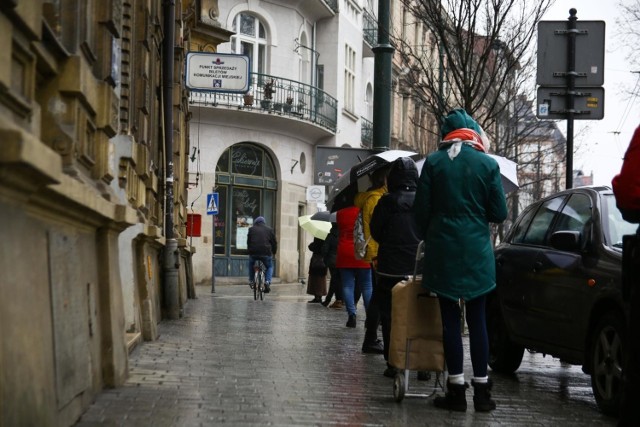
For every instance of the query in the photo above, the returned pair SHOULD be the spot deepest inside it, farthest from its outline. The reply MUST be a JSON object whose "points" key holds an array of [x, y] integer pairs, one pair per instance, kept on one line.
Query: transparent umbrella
{"points": [[317, 228]]}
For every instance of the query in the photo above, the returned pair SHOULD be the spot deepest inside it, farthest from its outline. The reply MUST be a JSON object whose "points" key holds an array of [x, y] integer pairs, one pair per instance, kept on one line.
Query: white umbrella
{"points": [[508, 172]]}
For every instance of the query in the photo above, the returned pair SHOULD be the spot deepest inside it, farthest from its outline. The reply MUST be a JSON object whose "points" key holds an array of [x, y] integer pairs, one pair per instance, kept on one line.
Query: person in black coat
{"points": [[330, 253], [262, 245], [394, 227]]}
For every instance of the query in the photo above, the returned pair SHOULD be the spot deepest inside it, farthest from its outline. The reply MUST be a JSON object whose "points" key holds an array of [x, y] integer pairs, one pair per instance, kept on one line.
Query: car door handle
{"points": [[537, 266]]}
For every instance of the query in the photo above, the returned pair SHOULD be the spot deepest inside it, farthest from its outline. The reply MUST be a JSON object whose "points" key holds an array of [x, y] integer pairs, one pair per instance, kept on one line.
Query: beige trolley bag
{"points": [[416, 333]]}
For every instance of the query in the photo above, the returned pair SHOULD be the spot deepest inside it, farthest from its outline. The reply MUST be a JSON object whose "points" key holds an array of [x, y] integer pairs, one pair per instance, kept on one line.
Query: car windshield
{"points": [[615, 227]]}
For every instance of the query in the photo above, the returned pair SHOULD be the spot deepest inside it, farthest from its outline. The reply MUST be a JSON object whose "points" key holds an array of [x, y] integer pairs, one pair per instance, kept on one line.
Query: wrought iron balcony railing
{"points": [[333, 4], [276, 95], [366, 133], [369, 29]]}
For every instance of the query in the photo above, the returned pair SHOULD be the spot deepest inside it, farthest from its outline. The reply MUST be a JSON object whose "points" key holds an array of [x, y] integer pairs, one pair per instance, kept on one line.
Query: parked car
{"points": [[559, 289]]}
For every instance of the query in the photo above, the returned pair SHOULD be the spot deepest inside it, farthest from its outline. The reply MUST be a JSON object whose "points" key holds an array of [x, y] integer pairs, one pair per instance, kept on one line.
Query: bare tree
{"points": [[479, 56], [629, 29]]}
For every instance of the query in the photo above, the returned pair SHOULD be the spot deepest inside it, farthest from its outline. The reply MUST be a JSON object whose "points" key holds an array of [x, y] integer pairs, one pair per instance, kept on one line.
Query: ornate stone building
{"points": [[93, 191]]}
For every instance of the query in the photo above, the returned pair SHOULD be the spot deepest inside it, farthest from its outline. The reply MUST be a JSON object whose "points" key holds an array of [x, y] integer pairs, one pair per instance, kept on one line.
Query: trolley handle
{"points": [[419, 258]]}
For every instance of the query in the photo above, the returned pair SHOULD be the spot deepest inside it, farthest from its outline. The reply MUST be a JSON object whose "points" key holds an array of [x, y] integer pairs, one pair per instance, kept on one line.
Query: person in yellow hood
{"points": [[367, 201]]}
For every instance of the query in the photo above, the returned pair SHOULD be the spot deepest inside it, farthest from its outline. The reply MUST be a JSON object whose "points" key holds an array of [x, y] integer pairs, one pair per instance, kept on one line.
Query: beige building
{"points": [[89, 266]]}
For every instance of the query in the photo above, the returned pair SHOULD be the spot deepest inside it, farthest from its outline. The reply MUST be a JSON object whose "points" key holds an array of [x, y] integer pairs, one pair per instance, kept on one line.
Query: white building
{"points": [[259, 154]]}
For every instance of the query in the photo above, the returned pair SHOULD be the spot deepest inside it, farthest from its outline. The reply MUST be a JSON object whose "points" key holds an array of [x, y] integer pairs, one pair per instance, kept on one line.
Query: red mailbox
{"points": [[194, 225]]}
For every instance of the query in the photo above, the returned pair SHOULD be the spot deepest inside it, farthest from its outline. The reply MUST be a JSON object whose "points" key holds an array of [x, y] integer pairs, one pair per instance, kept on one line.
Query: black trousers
{"points": [[385, 284], [629, 411]]}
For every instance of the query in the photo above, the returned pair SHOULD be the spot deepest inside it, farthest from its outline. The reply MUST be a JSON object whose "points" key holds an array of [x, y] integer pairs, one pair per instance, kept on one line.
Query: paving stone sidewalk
{"points": [[283, 362]]}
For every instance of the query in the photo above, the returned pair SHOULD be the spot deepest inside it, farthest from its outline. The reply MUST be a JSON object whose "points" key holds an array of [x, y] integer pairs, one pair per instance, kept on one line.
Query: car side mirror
{"points": [[566, 241]]}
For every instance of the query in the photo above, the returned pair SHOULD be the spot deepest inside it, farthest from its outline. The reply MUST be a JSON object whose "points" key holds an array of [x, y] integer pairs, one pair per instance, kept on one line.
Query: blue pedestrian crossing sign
{"points": [[212, 204]]}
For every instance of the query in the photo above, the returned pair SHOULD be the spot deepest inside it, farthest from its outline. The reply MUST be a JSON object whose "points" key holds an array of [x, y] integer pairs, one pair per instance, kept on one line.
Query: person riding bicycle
{"points": [[261, 245]]}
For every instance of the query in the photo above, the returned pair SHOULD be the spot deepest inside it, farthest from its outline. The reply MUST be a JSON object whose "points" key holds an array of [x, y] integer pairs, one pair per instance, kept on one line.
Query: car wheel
{"points": [[607, 345], [504, 355]]}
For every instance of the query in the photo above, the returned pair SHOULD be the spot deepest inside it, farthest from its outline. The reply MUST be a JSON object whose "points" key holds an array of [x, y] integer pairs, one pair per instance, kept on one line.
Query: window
{"points": [[541, 222], [349, 78], [250, 40], [575, 214]]}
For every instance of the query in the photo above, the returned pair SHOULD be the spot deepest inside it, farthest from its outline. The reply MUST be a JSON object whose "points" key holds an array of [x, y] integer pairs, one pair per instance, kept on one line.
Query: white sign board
{"points": [[315, 193], [218, 72]]}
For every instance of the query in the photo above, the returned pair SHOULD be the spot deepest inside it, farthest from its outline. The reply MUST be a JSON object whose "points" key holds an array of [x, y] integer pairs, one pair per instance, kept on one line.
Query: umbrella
{"points": [[317, 228], [356, 178], [324, 216], [508, 172]]}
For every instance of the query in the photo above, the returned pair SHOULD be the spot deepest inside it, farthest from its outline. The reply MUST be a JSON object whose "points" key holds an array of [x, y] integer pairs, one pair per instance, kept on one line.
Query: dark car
{"points": [[559, 289]]}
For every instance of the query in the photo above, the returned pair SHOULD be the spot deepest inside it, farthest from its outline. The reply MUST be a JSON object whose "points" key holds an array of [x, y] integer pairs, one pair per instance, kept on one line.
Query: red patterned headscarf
{"points": [[466, 136]]}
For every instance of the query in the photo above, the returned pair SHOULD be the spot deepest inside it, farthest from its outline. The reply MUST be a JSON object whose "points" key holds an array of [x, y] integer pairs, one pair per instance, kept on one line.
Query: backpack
{"points": [[359, 242]]}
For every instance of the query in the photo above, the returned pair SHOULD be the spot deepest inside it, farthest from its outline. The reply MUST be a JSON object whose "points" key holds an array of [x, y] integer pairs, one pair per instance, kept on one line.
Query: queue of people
{"points": [[449, 205]]}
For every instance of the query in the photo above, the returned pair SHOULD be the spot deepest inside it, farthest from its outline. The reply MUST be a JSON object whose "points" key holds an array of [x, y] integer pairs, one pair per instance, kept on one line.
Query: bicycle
{"points": [[258, 279]]}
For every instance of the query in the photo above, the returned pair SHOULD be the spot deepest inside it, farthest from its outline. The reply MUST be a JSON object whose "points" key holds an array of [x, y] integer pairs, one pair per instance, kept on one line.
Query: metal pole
{"points": [[213, 255], [571, 86], [171, 255], [382, 81]]}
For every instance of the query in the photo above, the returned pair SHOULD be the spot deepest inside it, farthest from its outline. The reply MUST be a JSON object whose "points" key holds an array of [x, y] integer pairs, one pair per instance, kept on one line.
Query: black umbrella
{"points": [[324, 216], [346, 187]]}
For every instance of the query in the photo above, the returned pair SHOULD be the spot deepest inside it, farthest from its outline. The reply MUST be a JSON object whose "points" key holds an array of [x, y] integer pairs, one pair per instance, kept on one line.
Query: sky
{"points": [[600, 144]]}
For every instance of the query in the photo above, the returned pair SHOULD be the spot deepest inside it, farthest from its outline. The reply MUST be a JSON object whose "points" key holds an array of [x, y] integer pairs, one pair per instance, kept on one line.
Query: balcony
{"points": [[333, 5], [277, 96], [366, 133], [369, 33]]}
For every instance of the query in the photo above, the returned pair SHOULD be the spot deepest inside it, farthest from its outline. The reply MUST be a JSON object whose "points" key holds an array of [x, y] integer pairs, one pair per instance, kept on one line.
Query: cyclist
{"points": [[261, 245]]}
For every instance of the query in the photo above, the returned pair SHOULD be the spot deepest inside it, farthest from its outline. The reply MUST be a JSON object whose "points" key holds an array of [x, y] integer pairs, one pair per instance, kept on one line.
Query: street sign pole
{"points": [[213, 205], [213, 254], [571, 100], [575, 65]]}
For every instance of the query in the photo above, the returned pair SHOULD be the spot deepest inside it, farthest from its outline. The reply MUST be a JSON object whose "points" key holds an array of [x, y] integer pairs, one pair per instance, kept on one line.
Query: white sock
{"points": [[456, 379], [480, 380]]}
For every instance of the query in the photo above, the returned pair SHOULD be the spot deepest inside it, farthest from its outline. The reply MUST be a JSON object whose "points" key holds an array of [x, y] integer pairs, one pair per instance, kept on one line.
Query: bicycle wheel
{"points": [[256, 285], [260, 285]]}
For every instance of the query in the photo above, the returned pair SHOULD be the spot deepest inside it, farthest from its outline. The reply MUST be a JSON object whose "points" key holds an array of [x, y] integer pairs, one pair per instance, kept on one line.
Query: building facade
{"points": [[84, 188], [311, 85]]}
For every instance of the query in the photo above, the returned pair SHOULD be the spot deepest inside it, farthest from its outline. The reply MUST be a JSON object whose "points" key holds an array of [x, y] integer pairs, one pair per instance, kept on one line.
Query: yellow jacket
{"points": [[367, 201]]}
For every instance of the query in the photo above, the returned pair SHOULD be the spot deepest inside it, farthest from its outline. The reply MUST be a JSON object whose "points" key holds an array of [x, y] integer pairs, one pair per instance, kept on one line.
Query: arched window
{"points": [[251, 40], [368, 99]]}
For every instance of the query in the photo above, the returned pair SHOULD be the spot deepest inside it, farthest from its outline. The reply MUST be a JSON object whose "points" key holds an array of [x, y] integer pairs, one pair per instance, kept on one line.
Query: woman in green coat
{"points": [[459, 194]]}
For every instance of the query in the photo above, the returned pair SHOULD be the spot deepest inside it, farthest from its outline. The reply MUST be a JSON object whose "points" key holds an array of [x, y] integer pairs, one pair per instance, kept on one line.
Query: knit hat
{"points": [[259, 220], [458, 119]]}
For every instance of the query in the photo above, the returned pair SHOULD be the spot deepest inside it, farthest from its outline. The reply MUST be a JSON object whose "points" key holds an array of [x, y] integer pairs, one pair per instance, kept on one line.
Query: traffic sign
{"points": [[212, 204], [553, 53], [588, 103]]}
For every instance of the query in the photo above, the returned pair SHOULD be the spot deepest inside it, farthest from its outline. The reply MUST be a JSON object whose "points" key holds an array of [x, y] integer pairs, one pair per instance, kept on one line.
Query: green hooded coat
{"points": [[455, 202]]}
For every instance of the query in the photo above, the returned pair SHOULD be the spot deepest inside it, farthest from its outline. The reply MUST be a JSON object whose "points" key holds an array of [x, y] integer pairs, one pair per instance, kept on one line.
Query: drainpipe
{"points": [[171, 254], [382, 81]]}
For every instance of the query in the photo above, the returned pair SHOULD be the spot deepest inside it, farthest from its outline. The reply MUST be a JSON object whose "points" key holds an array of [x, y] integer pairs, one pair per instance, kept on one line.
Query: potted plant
{"points": [[288, 104], [248, 99], [267, 91]]}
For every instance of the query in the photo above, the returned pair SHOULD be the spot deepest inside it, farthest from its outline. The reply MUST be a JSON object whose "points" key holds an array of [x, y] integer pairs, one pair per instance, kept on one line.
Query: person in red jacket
{"points": [[626, 187], [353, 272]]}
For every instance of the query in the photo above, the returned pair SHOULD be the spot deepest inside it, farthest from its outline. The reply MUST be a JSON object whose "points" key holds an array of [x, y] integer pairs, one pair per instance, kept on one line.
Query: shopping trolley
{"points": [[416, 334]]}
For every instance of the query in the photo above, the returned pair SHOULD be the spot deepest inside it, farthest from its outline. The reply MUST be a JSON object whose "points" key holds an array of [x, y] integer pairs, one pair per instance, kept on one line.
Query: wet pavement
{"points": [[282, 362]]}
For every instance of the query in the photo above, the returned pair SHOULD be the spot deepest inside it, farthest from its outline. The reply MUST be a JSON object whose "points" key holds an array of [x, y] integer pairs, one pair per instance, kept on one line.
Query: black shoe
{"points": [[351, 323], [326, 302], [316, 300], [375, 347], [482, 401], [391, 372], [252, 285], [454, 399], [267, 288]]}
